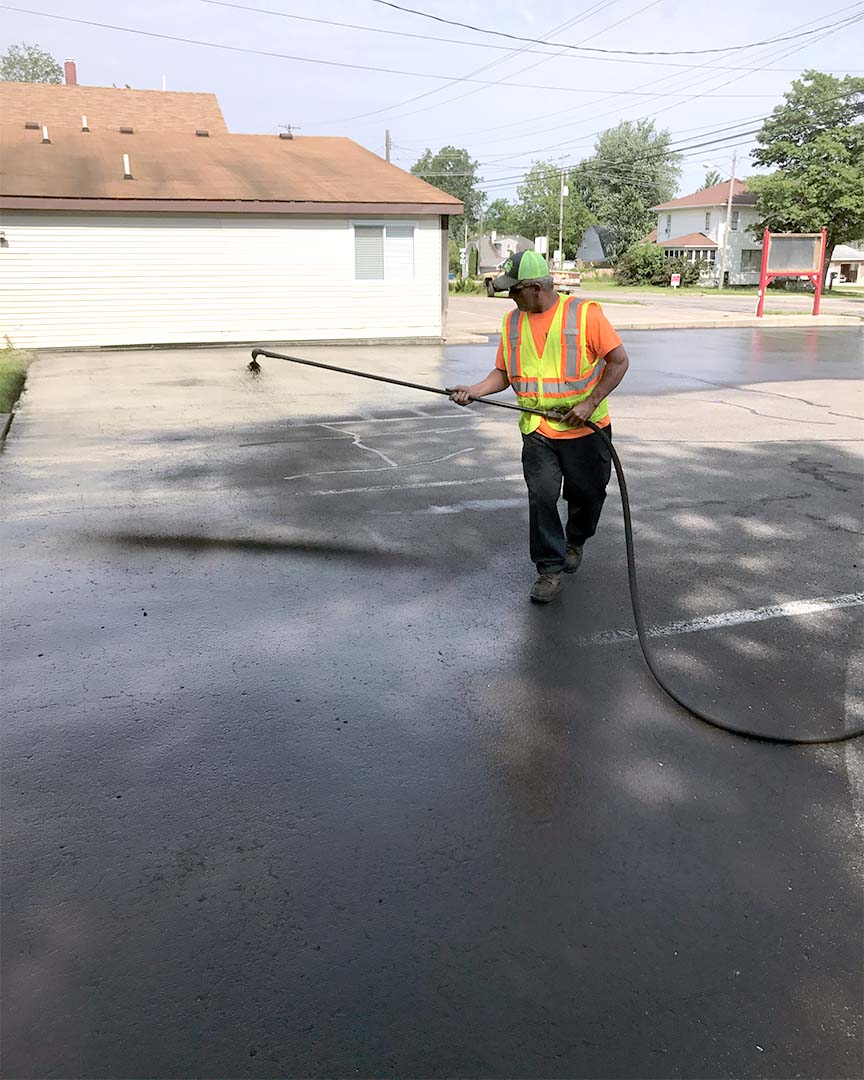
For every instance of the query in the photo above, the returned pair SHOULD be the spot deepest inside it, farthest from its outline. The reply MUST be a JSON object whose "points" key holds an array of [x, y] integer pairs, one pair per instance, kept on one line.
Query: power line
{"points": [[484, 44], [671, 149], [692, 97], [664, 79], [324, 63], [582, 48], [560, 52], [512, 53]]}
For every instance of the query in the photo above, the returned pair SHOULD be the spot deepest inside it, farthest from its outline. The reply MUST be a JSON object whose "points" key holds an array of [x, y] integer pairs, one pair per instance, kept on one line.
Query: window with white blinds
{"points": [[384, 252]]}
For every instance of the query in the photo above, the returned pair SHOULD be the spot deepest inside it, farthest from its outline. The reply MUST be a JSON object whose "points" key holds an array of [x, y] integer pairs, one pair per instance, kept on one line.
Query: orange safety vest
{"points": [[563, 376]]}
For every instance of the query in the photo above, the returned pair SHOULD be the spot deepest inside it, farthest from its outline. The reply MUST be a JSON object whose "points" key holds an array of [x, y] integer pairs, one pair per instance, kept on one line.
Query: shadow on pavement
{"points": [[313, 821]]}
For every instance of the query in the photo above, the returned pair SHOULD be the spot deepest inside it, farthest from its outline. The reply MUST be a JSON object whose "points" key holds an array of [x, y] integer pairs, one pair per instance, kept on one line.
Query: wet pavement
{"points": [[297, 783]]}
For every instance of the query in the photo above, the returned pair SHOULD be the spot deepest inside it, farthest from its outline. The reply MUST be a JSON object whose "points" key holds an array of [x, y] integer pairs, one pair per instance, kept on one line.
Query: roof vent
{"points": [[84, 123], [285, 135], [127, 131], [31, 125], [127, 169], [45, 138], [202, 133]]}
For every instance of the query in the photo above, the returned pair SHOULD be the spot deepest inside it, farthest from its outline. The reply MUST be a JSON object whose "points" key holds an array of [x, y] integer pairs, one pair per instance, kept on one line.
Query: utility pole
{"points": [[725, 254], [387, 145], [565, 191]]}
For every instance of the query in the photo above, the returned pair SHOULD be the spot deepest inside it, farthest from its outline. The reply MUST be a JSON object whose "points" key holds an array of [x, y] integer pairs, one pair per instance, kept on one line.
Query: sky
{"points": [[527, 101]]}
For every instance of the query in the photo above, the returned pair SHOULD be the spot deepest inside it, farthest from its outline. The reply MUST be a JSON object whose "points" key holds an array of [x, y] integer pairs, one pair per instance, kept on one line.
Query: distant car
{"points": [[565, 280]]}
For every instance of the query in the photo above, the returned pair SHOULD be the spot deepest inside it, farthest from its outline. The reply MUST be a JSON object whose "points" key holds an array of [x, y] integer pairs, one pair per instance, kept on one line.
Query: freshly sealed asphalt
{"points": [[296, 782]]}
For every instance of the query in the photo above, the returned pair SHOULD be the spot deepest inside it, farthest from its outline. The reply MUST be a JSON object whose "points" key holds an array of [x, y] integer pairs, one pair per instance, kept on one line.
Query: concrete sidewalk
{"points": [[473, 319]]}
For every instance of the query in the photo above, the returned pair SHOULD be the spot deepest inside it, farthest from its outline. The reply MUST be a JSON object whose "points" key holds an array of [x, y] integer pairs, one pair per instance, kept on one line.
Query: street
{"points": [[631, 309], [296, 782]]}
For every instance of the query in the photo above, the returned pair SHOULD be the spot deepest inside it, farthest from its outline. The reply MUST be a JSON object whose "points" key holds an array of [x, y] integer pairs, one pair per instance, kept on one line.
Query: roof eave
{"points": [[224, 206]]}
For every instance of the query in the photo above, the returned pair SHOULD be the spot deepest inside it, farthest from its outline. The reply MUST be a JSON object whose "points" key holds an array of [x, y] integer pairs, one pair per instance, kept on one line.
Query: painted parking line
{"points": [[730, 618], [410, 487]]}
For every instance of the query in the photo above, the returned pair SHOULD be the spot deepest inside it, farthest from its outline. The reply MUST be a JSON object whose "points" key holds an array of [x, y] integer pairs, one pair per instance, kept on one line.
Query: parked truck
{"points": [[566, 281]]}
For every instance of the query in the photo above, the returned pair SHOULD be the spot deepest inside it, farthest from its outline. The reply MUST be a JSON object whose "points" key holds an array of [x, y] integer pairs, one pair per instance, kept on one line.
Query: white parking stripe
{"points": [[730, 618], [409, 487]]}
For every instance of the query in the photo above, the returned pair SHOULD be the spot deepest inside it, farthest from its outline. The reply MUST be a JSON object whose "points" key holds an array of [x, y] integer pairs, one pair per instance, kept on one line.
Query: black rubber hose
{"points": [[722, 725], [745, 733]]}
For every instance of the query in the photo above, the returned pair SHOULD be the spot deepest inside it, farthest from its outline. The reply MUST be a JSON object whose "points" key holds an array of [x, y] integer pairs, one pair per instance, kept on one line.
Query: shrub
{"points": [[646, 264], [468, 286]]}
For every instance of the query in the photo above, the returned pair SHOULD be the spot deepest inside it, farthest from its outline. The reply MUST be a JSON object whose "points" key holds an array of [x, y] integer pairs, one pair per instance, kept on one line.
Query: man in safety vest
{"points": [[556, 352]]}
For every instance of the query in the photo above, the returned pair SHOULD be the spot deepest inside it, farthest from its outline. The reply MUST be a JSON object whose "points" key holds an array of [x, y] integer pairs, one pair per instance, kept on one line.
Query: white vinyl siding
{"points": [[87, 279], [384, 252]]}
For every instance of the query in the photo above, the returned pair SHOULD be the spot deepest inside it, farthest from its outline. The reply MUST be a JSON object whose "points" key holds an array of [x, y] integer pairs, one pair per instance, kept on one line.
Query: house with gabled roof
{"points": [[694, 228], [134, 217]]}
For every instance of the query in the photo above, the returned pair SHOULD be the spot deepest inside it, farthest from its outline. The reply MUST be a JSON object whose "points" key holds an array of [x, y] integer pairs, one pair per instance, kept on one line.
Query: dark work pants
{"points": [[584, 465]]}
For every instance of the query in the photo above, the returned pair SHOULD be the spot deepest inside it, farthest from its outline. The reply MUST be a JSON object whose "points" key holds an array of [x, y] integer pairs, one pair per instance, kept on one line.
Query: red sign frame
{"points": [[765, 277]]}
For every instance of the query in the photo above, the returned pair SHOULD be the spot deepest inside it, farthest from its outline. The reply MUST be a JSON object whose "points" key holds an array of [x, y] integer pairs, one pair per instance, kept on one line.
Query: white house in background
{"points": [[493, 248], [133, 217], [848, 264], [694, 227]]}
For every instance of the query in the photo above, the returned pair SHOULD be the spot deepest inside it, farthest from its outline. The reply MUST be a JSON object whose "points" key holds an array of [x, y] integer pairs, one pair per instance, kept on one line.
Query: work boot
{"points": [[572, 560], [545, 588]]}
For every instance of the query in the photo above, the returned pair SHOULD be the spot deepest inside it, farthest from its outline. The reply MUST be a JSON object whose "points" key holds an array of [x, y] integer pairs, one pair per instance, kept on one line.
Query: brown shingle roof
{"points": [[693, 239], [182, 168], [716, 195], [108, 108]]}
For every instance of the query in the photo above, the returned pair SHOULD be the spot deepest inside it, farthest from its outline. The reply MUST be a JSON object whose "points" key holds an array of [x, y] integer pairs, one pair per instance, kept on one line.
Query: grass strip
{"points": [[13, 372]]}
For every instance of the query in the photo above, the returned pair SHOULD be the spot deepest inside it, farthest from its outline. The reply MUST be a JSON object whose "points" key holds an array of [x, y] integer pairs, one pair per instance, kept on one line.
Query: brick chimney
{"points": [[70, 73]]}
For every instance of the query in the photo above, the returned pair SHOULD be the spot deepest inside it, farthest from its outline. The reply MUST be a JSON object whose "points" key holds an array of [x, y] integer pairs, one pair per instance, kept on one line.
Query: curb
{"points": [[732, 322], [6, 419]]}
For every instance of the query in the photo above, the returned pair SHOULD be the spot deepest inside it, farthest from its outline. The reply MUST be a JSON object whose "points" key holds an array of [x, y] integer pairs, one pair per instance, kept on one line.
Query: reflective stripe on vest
{"points": [[570, 340], [514, 321]]}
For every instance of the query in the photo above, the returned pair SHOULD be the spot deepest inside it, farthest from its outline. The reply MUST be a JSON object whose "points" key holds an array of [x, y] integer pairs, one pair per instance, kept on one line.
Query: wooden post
{"points": [[818, 277], [763, 275]]}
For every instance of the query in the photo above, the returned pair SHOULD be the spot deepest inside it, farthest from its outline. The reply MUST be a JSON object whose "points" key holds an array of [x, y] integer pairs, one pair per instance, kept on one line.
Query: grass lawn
{"points": [[688, 290], [608, 285], [13, 371]]}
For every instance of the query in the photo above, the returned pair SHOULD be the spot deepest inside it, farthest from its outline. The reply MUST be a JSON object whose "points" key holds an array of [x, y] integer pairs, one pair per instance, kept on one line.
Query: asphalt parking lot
{"points": [[296, 782]]}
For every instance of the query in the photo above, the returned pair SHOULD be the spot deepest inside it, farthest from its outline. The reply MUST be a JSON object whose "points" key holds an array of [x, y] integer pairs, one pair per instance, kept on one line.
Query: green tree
{"points": [[815, 140], [29, 63], [452, 170], [538, 209], [501, 216], [631, 170], [712, 177], [453, 257]]}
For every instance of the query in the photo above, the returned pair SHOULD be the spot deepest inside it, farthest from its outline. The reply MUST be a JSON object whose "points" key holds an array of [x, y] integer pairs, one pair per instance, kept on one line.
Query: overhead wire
{"points": [[701, 93], [419, 97], [664, 79], [582, 48], [271, 54], [458, 41], [653, 82], [511, 75]]}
